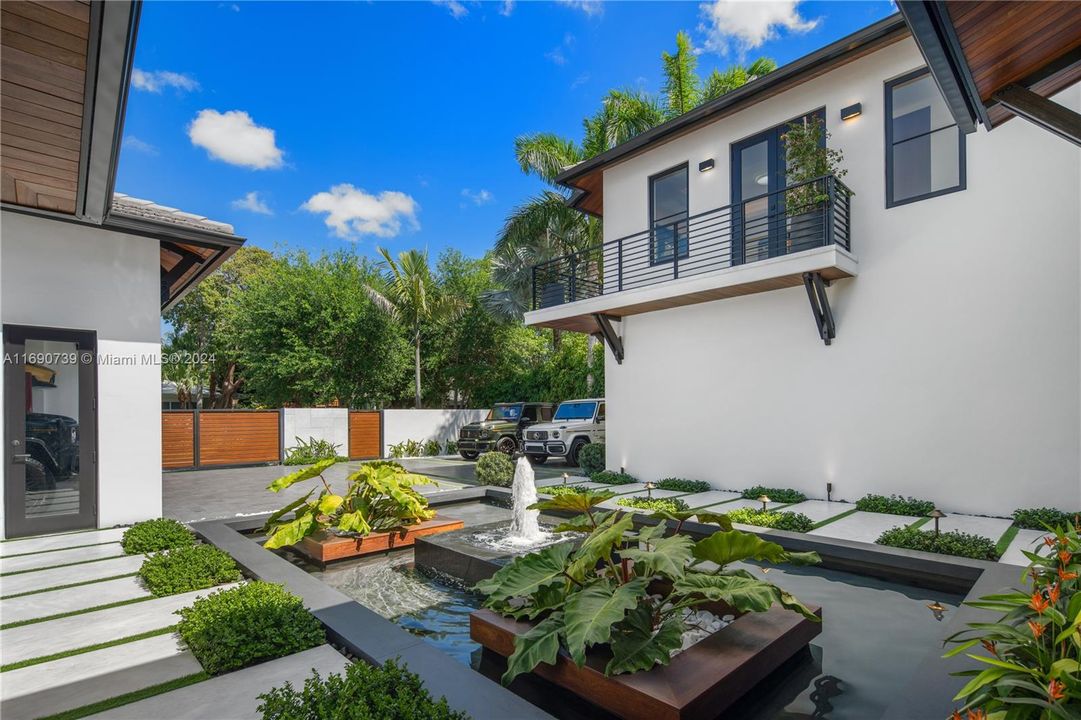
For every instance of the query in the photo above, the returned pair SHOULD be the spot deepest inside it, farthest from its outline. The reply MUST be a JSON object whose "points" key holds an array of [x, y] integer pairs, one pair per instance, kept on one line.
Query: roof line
{"points": [[702, 113]]}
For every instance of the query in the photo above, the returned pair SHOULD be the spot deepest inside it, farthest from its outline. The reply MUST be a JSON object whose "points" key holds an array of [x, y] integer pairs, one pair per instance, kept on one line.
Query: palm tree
{"points": [[735, 76], [409, 292], [682, 86]]}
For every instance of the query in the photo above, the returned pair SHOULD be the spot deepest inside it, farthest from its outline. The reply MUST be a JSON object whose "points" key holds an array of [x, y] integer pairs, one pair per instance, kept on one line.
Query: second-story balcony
{"points": [[772, 241]]}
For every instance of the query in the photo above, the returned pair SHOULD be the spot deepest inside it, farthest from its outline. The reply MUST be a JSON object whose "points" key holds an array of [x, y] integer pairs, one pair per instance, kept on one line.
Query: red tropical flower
{"points": [[1064, 556], [1064, 576], [1053, 593], [989, 646], [1056, 690], [1036, 628], [977, 714], [1049, 541], [1038, 603]]}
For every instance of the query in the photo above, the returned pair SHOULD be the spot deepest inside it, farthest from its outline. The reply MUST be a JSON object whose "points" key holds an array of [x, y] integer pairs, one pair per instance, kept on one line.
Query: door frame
{"points": [[16, 524]]}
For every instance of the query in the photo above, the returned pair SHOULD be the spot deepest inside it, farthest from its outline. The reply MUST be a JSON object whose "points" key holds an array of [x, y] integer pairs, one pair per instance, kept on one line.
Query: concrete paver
{"points": [[863, 526], [53, 558], [58, 542], [54, 577], [55, 602]]}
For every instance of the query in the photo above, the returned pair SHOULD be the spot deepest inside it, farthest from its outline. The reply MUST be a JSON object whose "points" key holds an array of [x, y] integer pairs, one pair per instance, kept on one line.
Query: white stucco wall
{"points": [[330, 424], [442, 425], [956, 372], [64, 275]]}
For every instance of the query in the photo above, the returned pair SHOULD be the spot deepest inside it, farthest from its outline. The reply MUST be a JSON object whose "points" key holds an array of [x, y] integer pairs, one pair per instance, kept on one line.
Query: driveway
{"points": [[234, 492]]}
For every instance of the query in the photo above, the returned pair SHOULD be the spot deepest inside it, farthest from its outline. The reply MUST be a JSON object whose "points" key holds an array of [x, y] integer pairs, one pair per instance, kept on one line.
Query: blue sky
{"points": [[328, 125]]}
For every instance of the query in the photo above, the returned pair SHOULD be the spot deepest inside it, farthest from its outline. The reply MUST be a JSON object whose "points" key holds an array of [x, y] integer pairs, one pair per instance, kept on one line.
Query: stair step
{"points": [[55, 577], [58, 542], [72, 682], [55, 602]]}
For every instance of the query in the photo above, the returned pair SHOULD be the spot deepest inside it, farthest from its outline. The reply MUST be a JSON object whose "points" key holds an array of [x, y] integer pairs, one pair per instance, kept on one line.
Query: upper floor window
{"points": [[925, 150], [668, 215]]}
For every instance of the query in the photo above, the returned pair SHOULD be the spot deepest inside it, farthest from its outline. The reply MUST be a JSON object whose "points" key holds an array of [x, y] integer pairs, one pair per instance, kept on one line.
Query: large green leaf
{"points": [[354, 522], [667, 556], [539, 645], [635, 645], [273, 519], [746, 594], [728, 546], [599, 544], [292, 532], [591, 612], [574, 502], [527, 574], [302, 474]]}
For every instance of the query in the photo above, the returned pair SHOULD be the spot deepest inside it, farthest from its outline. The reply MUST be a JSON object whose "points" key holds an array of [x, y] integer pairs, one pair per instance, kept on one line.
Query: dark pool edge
{"points": [[929, 693]]}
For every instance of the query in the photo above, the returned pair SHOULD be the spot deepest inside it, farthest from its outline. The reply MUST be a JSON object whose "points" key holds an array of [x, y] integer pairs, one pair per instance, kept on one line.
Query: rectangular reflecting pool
{"points": [[875, 632]]}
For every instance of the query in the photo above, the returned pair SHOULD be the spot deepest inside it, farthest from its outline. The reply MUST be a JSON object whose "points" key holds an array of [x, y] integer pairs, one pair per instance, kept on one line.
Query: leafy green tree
{"points": [[409, 293], [309, 334]]}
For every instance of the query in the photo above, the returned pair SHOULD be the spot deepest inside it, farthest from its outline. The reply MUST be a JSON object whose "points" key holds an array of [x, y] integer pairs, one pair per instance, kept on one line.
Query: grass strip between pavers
{"points": [[827, 521], [103, 705], [55, 550], [89, 648], [1003, 543], [58, 616], [51, 567], [68, 585], [920, 523]]}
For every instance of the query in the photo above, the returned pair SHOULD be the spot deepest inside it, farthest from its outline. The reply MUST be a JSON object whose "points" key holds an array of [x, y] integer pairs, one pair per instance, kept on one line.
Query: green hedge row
{"points": [[186, 569], [779, 495], [609, 477], [645, 503], [894, 505], [683, 485], [953, 542], [780, 520], [156, 535]]}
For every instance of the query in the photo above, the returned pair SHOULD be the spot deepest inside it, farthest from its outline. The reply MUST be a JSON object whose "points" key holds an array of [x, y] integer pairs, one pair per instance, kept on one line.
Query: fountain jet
{"points": [[525, 525]]}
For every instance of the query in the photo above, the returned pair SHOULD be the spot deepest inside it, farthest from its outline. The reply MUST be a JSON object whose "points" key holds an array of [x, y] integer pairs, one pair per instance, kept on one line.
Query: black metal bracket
{"points": [[615, 342], [820, 305]]}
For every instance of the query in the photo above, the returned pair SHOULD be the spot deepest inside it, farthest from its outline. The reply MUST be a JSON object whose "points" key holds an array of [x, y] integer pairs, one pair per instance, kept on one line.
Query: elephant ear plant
{"points": [[627, 590], [379, 497]]}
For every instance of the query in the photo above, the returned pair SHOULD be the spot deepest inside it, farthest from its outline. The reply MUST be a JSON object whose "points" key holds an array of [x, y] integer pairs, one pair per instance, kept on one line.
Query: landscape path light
{"points": [[763, 499]]}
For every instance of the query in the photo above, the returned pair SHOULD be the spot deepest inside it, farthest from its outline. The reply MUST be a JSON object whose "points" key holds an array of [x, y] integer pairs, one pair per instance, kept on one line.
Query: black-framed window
{"points": [[925, 150], [668, 202]]}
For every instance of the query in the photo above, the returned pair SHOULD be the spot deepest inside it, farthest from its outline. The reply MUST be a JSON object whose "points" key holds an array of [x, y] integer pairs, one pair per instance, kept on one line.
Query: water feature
{"points": [[525, 525]]}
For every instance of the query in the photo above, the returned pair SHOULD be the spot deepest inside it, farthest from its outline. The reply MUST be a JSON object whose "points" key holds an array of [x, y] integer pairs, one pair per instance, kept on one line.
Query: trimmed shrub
{"points": [[609, 477], [684, 485], [895, 505], [780, 495], [779, 520], [591, 458], [953, 542], [645, 503], [258, 621], [311, 452], [365, 692], [561, 490], [186, 569], [156, 535], [495, 468], [1042, 518]]}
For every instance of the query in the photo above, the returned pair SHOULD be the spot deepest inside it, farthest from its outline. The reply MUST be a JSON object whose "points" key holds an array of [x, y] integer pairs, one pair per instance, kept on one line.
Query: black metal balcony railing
{"points": [[799, 217]]}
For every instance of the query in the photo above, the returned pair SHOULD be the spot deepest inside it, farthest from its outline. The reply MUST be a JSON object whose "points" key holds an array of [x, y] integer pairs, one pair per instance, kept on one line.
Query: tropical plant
{"points": [[432, 447], [154, 535], [406, 449], [953, 542], [409, 292], [186, 569], [684, 485], [783, 520], [585, 596], [720, 82], [809, 158], [894, 505], [648, 503], [234, 628], [495, 468], [1043, 518], [1031, 664], [364, 692], [311, 451], [781, 495], [592, 458], [378, 498]]}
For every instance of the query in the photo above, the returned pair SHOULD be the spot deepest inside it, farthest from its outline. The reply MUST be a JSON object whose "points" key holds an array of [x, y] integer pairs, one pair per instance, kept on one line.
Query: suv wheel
{"points": [[507, 445], [469, 454], [575, 451], [538, 459]]}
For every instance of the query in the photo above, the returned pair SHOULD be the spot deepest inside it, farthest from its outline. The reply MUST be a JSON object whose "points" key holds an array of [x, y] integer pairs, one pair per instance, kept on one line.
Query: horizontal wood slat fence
{"points": [[192, 439]]}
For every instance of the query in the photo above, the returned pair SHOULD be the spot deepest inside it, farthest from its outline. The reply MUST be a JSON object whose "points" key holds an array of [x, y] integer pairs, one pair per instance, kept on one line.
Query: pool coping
{"points": [[366, 634]]}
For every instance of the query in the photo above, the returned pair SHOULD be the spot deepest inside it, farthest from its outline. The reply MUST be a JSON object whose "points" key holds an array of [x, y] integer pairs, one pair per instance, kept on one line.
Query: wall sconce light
{"points": [[847, 113], [705, 165]]}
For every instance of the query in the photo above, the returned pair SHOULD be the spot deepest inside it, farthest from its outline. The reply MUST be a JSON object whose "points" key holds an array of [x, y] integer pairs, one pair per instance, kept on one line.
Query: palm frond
{"points": [[545, 154], [682, 86]]}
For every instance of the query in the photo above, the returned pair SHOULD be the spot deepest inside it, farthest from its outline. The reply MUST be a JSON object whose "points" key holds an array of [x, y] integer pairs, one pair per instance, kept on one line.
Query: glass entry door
{"points": [[50, 473]]}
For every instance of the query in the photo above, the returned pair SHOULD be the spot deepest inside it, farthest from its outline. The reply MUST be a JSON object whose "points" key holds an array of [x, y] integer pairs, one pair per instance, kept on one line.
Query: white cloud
{"points": [[591, 8], [130, 141], [253, 203], [556, 55], [455, 8], [507, 8], [351, 212], [748, 23], [579, 81], [157, 80], [480, 197], [233, 137]]}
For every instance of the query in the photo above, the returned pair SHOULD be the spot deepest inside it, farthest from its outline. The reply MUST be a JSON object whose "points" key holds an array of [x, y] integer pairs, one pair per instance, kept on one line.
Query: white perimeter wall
{"points": [[442, 425], [64, 275], [956, 373], [330, 424]]}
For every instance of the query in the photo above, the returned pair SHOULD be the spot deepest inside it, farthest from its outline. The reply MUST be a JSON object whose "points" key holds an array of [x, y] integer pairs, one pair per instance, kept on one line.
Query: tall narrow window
{"points": [[668, 215], [925, 150]]}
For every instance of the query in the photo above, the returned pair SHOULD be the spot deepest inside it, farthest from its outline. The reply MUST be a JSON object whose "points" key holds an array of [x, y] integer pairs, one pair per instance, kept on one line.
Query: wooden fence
{"points": [[193, 439]]}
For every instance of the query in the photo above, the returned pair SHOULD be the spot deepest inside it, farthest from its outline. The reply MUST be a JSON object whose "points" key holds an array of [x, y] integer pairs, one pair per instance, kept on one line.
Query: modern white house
{"points": [[84, 275], [913, 327]]}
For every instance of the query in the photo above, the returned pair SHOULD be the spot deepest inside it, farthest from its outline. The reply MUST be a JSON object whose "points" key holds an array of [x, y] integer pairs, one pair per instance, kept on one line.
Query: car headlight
{"points": [[555, 433], [74, 436], [485, 434]]}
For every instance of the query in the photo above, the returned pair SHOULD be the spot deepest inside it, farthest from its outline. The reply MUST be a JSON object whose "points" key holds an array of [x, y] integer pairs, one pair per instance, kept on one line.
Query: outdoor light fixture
{"points": [[938, 610], [565, 478], [829, 492], [706, 165], [763, 499], [847, 113], [649, 490], [937, 515]]}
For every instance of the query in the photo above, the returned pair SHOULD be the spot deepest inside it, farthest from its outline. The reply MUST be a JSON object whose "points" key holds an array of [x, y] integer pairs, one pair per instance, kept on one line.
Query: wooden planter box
{"points": [[699, 683], [325, 547]]}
